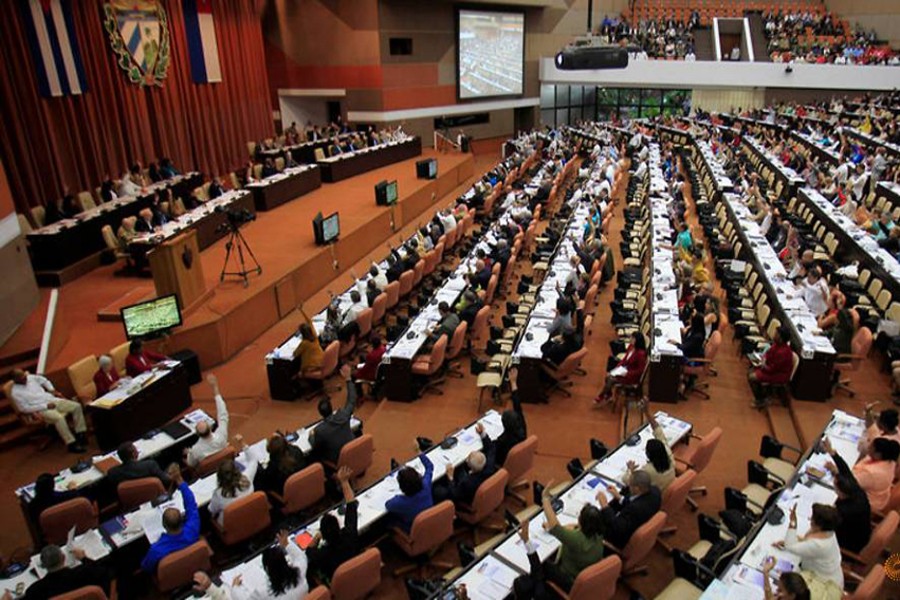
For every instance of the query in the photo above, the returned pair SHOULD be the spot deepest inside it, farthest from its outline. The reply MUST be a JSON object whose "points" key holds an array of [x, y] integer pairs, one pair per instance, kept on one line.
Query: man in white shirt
{"points": [[858, 182], [127, 187], [378, 275], [210, 441], [841, 173], [448, 221], [359, 304], [34, 394], [815, 292]]}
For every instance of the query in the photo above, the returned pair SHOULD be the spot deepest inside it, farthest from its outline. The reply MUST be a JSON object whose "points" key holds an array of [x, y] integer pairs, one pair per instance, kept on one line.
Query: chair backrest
{"points": [[458, 341], [870, 587], [24, 223], [251, 149], [38, 215], [257, 171], [705, 449], [330, 358], [245, 517], [491, 288], [712, 346], [88, 592], [795, 363], [211, 463], [860, 346], [406, 282], [319, 153], [56, 521], [643, 540], [177, 569], [438, 354], [304, 489], [135, 492], [85, 200], [598, 581], [571, 363], [392, 291], [418, 272], [358, 577], [489, 496], [881, 535], [358, 454], [379, 307], [431, 528], [110, 239], [364, 321], [520, 459], [676, 493], [480, 326], [320, 593], [589, 298], [81, 375], [430, 261], [118, 355]]}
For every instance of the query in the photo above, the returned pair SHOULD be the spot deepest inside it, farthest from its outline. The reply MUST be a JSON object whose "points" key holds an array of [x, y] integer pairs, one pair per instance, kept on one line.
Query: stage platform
{"points": [[294, 268]]}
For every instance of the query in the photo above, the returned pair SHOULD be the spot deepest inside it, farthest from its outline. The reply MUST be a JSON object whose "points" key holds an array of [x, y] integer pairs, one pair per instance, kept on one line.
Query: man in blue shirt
{"points": [[181, 530], [416, 495]]}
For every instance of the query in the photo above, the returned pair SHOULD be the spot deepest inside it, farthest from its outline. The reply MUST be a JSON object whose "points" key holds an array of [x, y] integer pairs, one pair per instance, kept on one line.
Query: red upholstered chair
{"points": [[301, 490], [429, 366], [439, 253], [519, 463], [135, 492], [418, 272], [56, 521], [210, 464], [357, 455], [488, 498], [697, 457], [641, 544], [674, 497], [562, 373], [364, 321], [406, 283], [481, 327], [455, 348], [88, 592], [860, 347], [379, 308], [430, 261], [597, 582], [430, 529], [491, 289], [358, 577], [177, 569], [870, 587], [392, 291], [704, 366], [329, 363], [319, 593], [243, 519]]}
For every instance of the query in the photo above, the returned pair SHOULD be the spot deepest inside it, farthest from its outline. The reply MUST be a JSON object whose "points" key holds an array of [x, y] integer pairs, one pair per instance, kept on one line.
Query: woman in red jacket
{"points": [[627, 371], [776, 368]]}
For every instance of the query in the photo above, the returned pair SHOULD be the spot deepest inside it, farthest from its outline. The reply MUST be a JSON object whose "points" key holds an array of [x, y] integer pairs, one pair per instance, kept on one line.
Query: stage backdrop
{"points": [[73, 141]]}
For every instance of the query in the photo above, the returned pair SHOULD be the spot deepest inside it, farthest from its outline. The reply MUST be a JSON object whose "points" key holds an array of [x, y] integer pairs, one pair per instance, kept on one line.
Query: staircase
{"points": [[758, 36], [704, 47]]}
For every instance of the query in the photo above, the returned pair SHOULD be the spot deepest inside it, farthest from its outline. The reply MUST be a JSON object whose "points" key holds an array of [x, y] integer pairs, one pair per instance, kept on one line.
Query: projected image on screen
{"points": [[149, 318], [491, 46]]}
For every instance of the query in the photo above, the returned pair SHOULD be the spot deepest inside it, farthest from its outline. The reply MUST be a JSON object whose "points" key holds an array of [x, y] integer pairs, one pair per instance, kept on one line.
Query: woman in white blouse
{"points": [[818, 550], [660, 465], [232, 482]]}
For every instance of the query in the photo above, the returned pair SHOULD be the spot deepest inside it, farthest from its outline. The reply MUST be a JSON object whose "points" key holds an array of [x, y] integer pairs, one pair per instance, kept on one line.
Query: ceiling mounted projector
{"points": [[592, 57]]}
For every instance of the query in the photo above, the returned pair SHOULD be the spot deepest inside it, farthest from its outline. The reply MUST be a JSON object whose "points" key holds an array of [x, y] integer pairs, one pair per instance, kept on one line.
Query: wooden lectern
{"points": [[177, 269]]}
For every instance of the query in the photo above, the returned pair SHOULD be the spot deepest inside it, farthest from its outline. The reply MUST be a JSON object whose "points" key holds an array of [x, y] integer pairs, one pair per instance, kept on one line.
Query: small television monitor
{"points": [[152, 318], [392, 192], [331, 228], [426, 169]]}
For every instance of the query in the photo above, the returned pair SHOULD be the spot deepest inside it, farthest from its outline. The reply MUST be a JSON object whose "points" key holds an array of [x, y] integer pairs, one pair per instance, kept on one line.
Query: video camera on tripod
{"points": [[235, 218]]}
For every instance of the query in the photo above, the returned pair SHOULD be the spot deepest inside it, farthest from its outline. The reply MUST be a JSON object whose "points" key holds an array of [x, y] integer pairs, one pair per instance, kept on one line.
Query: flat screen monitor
{"points": [[331, 228], [432, 169], [490, 48], [392, 192], [151, 318]]}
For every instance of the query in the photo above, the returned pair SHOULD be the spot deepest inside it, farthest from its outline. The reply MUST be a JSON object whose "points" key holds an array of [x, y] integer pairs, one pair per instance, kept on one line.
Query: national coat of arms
{"points": [[139, 35]]}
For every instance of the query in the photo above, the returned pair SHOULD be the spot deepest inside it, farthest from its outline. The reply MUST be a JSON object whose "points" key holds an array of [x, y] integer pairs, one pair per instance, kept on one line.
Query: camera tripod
{"points": [[237, 240]]}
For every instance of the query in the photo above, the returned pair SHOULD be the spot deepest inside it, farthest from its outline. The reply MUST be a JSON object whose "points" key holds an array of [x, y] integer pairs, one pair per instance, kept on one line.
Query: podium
{"points": [[176, 268]]}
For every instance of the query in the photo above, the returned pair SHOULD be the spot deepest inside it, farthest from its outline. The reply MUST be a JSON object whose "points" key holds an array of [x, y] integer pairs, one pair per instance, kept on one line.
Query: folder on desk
{"points": [[176, 430]]}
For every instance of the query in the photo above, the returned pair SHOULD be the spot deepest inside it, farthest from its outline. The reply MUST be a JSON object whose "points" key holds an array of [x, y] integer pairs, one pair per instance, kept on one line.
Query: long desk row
{"points": [[372, 499], [206, 220], [858, 245], [743, 577], [871, 142], [813, 378], [304, 152], [788, 178], [666, 357], [66, 242], [491, 577], [342, 166], [124, 538], [285, 186]]}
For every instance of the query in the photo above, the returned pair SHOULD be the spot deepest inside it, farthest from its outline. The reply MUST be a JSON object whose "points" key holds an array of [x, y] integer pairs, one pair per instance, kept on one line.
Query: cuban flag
{"points": [[51, 34], [201, 38]]}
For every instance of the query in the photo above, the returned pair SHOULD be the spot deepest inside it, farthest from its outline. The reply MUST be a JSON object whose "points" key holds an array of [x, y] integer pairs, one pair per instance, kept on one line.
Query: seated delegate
{"points": [[34, 394]]}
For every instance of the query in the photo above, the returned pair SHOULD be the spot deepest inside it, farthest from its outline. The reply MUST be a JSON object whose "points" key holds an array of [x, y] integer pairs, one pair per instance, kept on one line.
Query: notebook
{"points": [[176, 430]]}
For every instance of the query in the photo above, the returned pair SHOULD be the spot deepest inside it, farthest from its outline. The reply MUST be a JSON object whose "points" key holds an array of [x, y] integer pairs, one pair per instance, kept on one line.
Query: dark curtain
{"points": [[50, 144]]}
